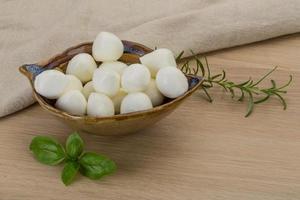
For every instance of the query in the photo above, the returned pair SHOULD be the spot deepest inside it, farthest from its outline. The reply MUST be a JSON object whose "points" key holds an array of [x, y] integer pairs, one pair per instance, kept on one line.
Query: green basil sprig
{"points": [[74, 146], [48, 151], [69, 172], [95, 166]]}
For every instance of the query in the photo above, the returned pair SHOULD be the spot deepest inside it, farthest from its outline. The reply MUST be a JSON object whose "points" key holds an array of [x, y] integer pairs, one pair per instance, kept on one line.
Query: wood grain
{"points": [[202, 151]]}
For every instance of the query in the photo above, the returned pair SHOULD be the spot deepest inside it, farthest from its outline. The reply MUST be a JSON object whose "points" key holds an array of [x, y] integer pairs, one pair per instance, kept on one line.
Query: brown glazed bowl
{"points": [[115, 125]]}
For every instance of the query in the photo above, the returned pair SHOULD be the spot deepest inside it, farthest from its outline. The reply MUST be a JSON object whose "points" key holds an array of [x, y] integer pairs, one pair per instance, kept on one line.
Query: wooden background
{"points": [[202, 151]]}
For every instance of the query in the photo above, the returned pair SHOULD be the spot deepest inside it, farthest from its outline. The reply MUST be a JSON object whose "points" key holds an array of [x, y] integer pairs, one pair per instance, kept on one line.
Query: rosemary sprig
{"points": [[249, 89]]}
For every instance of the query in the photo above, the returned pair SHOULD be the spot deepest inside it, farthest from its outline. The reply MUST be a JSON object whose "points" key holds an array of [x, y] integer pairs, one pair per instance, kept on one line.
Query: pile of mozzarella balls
{"points": [[113, 87]]}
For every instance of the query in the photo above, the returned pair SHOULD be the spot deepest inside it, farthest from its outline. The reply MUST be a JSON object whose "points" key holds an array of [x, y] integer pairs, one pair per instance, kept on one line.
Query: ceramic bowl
{"points": [[115, 125]]}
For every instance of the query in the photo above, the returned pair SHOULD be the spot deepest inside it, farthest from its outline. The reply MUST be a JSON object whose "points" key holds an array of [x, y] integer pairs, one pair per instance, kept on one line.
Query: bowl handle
{"points": [[194, 81], [31, 70]]}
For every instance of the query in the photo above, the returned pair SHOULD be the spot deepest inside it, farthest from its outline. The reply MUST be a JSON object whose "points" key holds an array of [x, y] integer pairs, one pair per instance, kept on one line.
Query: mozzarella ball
{"points": [[106, 81], [117, 99], [73, 83], [88, 89], [171, 82], [50, 84], [82, 66], [154, 94], [99, 105], [134, 102], [135, 78], [72, 102], [115, 66], [107, 47], [158, 59]]}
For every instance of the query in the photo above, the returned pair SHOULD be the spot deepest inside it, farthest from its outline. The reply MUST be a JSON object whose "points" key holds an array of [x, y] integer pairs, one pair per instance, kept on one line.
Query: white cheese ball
{"points": [[115, 66], [154, 94], [106, 81], [73, 83], [171, 82], [82, 66], [134, 102], [88, 89], [99, 105], [158, 59], [135, 78], [117, 99], [50, 84], [72, 102], [107, 47]]}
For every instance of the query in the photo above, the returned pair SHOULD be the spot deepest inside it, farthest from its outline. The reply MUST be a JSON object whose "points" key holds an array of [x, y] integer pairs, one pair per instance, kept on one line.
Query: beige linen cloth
{"points": [[32, 30]]}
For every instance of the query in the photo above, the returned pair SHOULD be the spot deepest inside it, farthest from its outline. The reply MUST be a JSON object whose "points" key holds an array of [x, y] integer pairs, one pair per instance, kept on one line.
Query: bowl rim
{"points": [[118, 117]]}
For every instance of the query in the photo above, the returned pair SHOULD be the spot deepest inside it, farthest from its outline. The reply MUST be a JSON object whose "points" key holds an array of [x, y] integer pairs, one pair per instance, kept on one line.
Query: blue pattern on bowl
{"points": [[34, 69], [193, 81], [131, 48]]}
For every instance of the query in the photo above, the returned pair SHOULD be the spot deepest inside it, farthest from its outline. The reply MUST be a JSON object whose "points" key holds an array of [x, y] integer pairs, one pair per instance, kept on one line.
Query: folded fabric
{"points": [[34, 30]]}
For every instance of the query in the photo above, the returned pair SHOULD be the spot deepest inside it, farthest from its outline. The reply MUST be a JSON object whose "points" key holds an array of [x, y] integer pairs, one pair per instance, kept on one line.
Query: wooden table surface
{"points": [[201, 151]]}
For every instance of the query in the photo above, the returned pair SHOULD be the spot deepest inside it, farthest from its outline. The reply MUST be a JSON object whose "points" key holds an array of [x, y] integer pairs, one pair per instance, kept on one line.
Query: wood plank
{"points": [[201, 151]]}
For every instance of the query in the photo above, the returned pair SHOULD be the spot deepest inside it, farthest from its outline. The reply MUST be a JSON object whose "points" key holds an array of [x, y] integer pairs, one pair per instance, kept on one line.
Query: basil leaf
{"points": [[47, 150], [69, 172], [95, 166], [74, 146]]}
